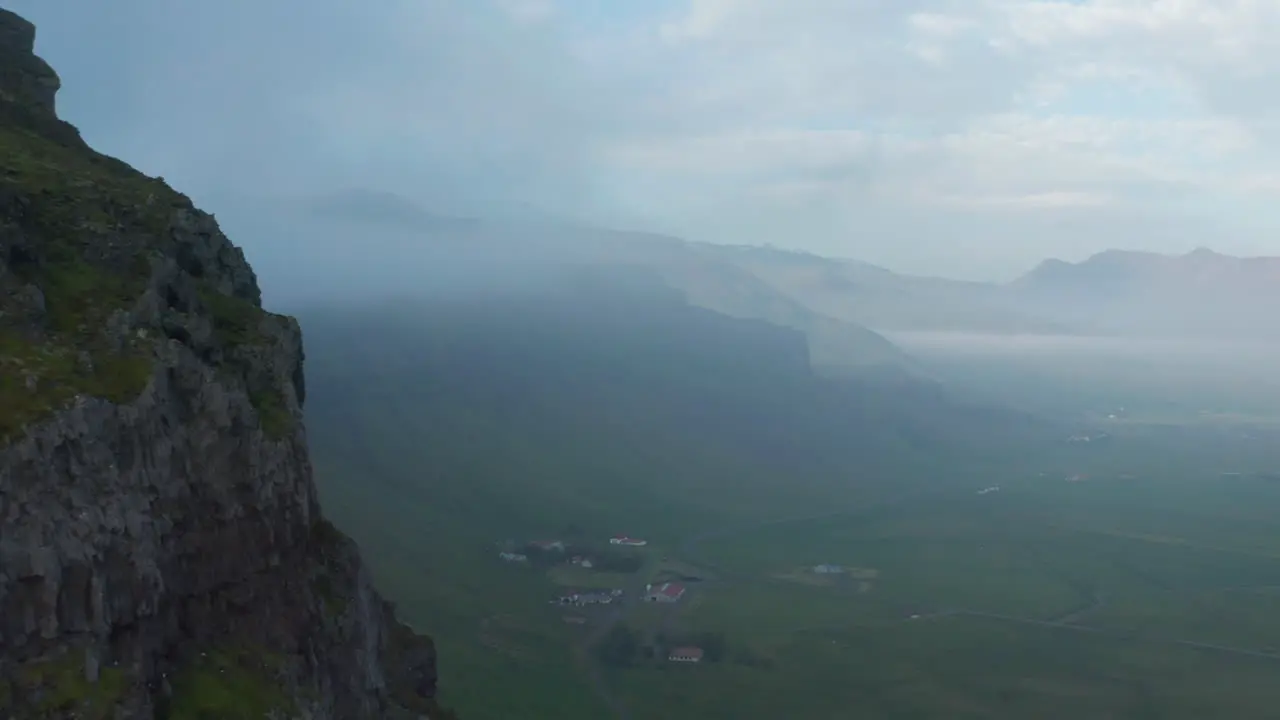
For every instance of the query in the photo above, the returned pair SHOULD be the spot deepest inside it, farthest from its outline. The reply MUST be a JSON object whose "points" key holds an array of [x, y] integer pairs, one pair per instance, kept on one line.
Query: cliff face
{"points": [[162, 551]]}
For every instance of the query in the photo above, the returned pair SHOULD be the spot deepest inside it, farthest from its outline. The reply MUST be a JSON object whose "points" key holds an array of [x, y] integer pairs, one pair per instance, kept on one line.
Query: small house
{"points": [[628, 541], [514, 557], [686, 654], [828, 569], [666, 592]]}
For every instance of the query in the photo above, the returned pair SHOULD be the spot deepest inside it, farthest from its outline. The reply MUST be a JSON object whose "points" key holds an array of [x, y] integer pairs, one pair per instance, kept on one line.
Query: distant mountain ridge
{"points": [[381, 241], [1200, 293], [844, 307]]}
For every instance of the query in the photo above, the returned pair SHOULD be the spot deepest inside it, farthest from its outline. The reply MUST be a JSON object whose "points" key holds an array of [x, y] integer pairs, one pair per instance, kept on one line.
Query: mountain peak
{"points": [[28, 81], [17, 32]]}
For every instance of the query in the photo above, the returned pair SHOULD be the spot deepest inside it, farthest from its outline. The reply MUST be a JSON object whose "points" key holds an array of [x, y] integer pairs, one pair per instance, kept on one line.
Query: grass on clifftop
{"points": [[76, 193]]}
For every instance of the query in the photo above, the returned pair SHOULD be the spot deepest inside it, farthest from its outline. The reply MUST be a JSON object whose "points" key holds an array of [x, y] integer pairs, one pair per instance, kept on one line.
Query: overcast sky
{"points": [[967, 138]]}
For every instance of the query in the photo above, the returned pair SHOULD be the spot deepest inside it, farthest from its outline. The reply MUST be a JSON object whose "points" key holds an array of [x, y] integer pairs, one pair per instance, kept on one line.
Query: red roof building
{"points": [[666, 592]]}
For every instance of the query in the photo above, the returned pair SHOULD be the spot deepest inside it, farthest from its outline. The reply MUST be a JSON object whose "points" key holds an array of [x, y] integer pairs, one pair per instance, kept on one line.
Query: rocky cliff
{"points": [[162, 550]]}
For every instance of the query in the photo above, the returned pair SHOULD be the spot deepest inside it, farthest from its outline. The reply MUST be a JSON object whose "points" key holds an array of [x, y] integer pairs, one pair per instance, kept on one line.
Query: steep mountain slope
{"points": [[162, 549], [418, 249]]}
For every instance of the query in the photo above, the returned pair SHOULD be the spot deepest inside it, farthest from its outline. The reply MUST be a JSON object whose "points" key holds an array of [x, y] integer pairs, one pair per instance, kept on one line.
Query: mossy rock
{"points": [[42, 369], [232, 684], [275, 418], [86, 226], [41, 376], [58, 688], [236, 321], [238, 326]]}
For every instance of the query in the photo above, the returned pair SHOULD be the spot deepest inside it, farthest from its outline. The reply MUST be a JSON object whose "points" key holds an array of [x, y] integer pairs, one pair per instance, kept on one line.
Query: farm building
{"points": [[587, 598], [828, 569], [630, 541], [686, 654], [513, 557], [666, 592]]}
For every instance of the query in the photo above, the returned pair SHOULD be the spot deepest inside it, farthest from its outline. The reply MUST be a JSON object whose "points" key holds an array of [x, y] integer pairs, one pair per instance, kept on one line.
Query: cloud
{"points": [[966, 136], [529, 11], [1146, 110], [1032, 201]]}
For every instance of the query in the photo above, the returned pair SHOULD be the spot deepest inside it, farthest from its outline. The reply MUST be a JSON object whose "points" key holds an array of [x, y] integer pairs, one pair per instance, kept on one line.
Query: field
{"points": [[1157, 595], [1138, 599]]}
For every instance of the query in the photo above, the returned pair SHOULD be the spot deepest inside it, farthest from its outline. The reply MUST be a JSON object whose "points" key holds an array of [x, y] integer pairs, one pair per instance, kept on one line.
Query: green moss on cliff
{"points": [[235, 321], [275, 418], [40, 376], [57, 688], [86, 227], [232, 684], [86, 224], [237, 326]]}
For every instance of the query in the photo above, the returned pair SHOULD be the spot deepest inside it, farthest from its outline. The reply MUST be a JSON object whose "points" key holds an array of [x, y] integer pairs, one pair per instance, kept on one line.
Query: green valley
{"points": [[447, 433]]}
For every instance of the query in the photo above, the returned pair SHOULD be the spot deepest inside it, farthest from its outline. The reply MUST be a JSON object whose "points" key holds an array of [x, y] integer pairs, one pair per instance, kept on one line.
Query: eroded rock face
{"points": [[162, 550]]}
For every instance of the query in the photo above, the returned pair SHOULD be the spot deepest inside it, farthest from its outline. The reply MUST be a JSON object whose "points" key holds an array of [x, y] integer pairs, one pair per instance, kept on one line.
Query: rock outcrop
{"points": [[162, 550]]}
